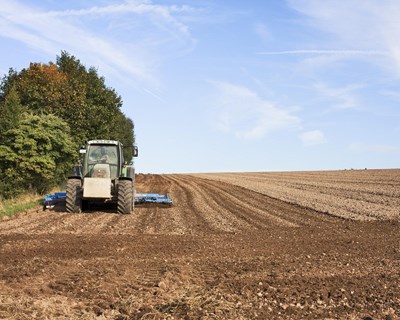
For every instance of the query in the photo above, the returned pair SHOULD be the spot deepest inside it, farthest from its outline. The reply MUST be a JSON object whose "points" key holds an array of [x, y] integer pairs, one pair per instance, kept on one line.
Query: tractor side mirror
{"points": [[135, 151]]}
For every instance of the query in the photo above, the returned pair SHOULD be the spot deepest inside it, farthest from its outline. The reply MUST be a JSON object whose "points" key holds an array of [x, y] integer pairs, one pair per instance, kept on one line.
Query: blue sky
{"points": [[233, 85]]}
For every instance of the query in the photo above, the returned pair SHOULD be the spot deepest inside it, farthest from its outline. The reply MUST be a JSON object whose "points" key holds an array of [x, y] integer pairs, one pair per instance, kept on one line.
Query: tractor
{"points": [[102, 177]]}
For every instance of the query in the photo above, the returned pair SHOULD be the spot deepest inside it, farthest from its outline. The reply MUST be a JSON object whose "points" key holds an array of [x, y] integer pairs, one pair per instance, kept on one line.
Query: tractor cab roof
{"points": [[112, 142]]}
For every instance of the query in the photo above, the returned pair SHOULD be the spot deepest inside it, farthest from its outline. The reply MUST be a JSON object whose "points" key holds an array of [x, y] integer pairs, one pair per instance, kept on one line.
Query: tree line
{"points": [[47, 111]]}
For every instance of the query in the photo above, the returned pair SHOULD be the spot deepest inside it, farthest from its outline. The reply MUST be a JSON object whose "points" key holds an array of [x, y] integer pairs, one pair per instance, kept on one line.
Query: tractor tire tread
{"points": [[125, 196], [73, 203]]}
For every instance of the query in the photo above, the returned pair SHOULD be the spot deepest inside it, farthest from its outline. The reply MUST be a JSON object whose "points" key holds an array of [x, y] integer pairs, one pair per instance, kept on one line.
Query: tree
{"points": [[37, 154], [42, 88], [11, 111], [70, 91], [122, 132], [92, 106], [7, 82], [48, 108]]}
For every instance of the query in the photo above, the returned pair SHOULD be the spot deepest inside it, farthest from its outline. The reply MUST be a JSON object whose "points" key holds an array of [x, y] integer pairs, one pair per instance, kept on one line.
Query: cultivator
{"points": [[51, 200], [153, 198], [59, 198]]}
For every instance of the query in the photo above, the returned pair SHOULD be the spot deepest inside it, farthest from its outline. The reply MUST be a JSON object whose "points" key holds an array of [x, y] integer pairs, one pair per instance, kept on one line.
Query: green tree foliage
{"points": [[42, 88], [76, 99], [7, 83], [123, 129], [11, 111], [36, 154], [70, 91], [99, 113]]}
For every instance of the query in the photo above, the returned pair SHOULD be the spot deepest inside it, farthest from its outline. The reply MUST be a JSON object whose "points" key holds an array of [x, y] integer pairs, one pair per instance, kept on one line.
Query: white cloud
{"points": [[395, 95], [341, 53], [160, 12], [314, 59], [374, 148], [313, 138], [341, 98], [242, 112], [126, 55], [359, 25]]}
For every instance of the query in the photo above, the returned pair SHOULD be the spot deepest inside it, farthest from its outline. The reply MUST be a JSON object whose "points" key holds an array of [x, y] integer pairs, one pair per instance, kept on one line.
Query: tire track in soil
{"points": [[146, 219], [92, 223], [81, 223], [357, 195], [257, 210], [152, 218], [30, 222], [151, 276], [218, 219], [193, 221], [66, 223], [293, 213], [175, 275], [181, 218], [114, 224], [254, 217]]}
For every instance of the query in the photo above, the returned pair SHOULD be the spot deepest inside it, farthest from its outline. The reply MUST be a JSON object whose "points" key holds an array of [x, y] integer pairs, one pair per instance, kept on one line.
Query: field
{"points": [[288, 245]]}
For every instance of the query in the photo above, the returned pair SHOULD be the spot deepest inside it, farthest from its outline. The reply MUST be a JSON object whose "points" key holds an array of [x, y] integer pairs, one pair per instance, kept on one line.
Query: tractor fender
{"points": [[75, 177], [125, 178]]}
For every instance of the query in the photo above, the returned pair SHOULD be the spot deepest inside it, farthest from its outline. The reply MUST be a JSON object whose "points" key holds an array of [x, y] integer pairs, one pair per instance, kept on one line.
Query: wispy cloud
{"points": [[365, 27], [340, 98], [313, 138], [395, 95], [374, 148], [126, 7], [160, 12], [327, 52], [123, 55], [242, 112]]}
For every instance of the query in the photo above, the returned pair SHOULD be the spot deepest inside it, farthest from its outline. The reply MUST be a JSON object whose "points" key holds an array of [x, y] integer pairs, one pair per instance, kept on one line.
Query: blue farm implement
{"points": [[153, 198], [51, 200]]}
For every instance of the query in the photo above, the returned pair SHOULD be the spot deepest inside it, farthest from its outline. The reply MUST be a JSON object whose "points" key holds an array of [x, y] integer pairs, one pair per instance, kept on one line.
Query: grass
{"points": [[19, 204]]}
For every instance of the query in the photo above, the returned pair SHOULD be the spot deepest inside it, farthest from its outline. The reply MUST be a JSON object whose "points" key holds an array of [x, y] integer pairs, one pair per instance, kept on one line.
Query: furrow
{"points": [[217, 217], [246, 207]]}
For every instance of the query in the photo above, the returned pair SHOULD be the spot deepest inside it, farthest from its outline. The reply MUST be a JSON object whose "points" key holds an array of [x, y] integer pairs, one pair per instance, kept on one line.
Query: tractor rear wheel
{"points": [[125, 196], [74, 196]]}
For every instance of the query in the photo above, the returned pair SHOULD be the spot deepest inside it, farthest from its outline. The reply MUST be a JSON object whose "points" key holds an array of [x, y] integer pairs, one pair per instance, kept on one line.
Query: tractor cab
{"points": [[102, 177], [103, 161]]}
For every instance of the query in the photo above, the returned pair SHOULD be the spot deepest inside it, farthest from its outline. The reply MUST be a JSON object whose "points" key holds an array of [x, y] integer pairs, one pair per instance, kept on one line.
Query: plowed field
{"points": [[321, 245]]}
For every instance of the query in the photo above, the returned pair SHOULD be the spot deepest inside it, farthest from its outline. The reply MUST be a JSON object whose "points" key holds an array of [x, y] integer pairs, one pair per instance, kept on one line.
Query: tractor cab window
{"points": [[100, 156]]}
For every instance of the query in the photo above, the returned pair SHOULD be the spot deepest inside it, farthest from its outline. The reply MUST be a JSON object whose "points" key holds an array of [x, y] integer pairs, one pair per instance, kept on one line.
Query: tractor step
{"points": [[152, 198]]}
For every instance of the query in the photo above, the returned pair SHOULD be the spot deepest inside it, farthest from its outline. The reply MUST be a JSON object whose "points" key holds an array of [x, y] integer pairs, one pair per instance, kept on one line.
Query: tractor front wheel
{"points": [[74, 196], [125, 196]]}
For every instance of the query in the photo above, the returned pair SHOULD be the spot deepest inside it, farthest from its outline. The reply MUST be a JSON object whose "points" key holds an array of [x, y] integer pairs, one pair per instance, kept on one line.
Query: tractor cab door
{"points": [[102, 161]]}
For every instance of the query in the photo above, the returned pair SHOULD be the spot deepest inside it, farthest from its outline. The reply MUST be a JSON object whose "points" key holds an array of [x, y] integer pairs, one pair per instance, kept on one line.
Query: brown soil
{"points": [[222, 251], [352, 194]]}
